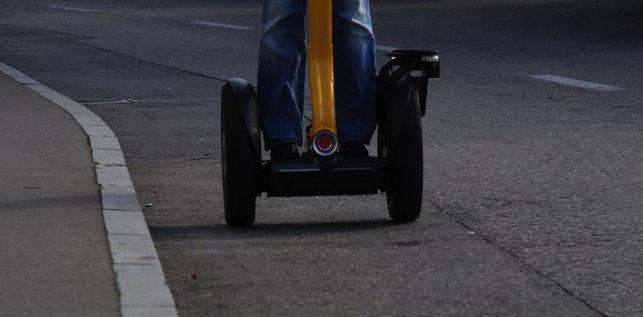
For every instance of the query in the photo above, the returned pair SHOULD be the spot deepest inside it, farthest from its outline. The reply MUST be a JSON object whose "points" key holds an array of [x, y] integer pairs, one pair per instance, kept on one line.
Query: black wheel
{"points": [[406, 168], [239, 163]]}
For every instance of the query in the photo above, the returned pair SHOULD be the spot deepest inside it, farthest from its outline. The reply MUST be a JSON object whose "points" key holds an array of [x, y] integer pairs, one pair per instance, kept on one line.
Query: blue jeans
{"points": [[282, 71]]}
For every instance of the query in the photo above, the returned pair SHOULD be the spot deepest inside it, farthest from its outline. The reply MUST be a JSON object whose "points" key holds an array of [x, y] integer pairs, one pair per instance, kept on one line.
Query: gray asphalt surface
{"points": [[532, 200]]}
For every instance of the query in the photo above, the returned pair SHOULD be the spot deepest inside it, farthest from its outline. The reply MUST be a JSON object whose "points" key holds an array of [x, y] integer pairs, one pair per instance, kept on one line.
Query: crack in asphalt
{"points": [[538, 272], [147, 61], [84, 37]]}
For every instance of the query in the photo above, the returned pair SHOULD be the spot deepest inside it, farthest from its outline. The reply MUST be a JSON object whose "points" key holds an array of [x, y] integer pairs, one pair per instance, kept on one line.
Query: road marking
{"points": [[73, 9], [575, 83], [109, 102], [222, 25], [385, 49]]}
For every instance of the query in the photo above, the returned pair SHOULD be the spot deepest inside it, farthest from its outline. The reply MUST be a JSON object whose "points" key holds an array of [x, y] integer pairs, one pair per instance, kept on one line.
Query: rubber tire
{"points": [[239, 165], [406, 168]]}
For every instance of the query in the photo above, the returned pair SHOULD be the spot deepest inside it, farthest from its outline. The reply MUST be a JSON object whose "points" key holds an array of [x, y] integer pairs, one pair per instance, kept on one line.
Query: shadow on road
{"points": [[67, 201], [169, 233]]}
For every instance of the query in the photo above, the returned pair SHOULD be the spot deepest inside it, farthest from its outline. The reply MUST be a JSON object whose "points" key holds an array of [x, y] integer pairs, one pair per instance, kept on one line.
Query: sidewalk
{"points": [[55, 259], [73, 240]]}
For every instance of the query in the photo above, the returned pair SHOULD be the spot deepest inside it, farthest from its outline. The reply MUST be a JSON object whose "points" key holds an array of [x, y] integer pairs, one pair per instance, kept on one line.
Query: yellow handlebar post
{"points": [[321, 76]]}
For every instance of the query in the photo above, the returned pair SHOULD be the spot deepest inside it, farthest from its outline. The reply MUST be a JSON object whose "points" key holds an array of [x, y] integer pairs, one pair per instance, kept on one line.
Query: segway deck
{"points": [[311, 176]]}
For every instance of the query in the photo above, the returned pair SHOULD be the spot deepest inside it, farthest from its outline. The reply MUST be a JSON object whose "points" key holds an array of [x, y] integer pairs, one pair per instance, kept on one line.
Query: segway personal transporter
{"points": [[398, 168]]}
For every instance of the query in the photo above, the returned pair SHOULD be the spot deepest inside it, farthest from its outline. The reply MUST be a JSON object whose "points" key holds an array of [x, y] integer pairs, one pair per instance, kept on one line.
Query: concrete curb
{"points": [[139, 276]]}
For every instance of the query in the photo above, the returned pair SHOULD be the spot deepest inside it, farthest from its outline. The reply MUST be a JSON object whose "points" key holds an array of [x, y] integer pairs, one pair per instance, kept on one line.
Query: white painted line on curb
{"points": [[146, 291], [139, 276], [125, 222], [575, 83], [123, 199], [26, 80], [13, 72], [40, 89], [158, 311], [222, 25], [73, 9], [133, 250], [104, 142], [99, 131], [108, 157], [113, 176]]}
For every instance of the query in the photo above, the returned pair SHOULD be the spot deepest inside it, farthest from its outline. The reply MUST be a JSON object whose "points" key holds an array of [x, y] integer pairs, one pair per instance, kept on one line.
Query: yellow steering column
{"points": [[321, 76]]}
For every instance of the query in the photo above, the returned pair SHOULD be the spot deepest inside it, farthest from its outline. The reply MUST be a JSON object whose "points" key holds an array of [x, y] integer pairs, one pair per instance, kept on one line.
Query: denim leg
{"points": [[355, 69], [282, 71]]}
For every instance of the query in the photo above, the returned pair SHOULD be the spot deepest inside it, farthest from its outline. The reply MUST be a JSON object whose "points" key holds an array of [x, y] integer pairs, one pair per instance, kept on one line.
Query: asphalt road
{"points": [[533, 189]]}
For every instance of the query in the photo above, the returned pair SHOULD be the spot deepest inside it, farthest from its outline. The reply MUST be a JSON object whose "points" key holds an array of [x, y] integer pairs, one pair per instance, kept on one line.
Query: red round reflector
{"points": [[324, 143]]}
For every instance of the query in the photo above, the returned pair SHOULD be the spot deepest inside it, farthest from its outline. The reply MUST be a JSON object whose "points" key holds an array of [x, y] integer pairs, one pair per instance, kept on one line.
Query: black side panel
{"points": [[403, 78], [314, 178], [423, 90], [245, 96], [394, 104]]}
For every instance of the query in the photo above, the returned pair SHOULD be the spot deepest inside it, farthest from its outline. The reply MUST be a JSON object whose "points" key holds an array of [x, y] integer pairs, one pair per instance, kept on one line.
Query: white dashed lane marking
{"points": [[575, 83], [222, 25], [73, 9]]}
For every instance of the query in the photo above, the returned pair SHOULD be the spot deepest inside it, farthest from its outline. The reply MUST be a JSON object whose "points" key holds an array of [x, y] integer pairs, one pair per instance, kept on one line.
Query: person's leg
{"points": [[355, 70], [282, 71]]}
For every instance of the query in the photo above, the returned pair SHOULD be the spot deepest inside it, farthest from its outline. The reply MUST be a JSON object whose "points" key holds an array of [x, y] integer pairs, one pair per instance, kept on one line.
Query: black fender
{"points": [[402, 83], [393, 105], [240, 92]]}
